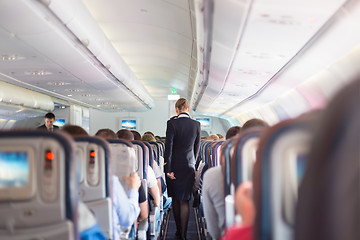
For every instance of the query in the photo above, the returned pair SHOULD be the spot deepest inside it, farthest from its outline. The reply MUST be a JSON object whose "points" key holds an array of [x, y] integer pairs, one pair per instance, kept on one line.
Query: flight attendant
{"points": [[181, 150], [49, 121]]}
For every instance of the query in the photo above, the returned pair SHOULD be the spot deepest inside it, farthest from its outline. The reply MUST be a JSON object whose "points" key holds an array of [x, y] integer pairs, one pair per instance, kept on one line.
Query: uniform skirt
{"points": [[181, 187]]}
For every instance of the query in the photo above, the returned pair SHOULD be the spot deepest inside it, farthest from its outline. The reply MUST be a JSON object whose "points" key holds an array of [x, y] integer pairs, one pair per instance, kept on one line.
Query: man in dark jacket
{"points": [[49, 121], [181, 150]]}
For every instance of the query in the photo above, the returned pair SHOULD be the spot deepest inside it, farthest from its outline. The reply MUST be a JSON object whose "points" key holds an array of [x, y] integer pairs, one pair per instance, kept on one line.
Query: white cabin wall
{"points": [[153, 120]]}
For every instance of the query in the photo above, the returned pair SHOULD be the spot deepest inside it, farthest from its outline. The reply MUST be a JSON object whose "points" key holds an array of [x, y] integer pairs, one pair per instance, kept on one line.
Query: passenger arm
{"points": [[126, 205]]}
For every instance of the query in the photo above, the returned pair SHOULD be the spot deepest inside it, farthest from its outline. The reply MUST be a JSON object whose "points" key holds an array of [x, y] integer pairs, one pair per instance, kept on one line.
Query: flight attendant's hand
{"points": [[171, 175]]}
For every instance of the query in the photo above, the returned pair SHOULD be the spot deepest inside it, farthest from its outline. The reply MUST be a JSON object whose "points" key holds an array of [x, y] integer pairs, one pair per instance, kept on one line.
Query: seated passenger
{"points": [[245, 211], [125, 134], [213, 188], [106, 133], [213, 137], [254, 122], [148, 137], [137, 136], [233, 131], [221, 137], [144, 208], [125, 206]]}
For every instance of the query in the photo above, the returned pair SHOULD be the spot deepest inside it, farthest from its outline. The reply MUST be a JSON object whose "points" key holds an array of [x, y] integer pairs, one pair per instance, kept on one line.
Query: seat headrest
{"points": [[329, 200]]}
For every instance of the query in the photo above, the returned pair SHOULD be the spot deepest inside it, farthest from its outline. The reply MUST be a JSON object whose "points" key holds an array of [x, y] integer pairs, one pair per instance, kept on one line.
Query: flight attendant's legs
{"points": [[176, 211], [181, 212], [184, 216]]}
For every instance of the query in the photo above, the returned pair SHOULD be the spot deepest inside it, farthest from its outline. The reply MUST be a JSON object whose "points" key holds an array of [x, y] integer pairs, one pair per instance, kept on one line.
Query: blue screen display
{"points": [[14, 169], [204, 122], [59, 122], [300, 166], [128, 124]]}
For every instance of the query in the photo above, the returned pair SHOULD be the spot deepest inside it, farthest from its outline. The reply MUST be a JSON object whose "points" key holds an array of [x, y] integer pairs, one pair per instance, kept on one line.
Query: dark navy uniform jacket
{"points": [[181, 150]]}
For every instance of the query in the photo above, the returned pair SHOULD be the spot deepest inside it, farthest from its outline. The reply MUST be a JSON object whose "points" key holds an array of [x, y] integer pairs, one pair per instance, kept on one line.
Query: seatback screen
{"points": [[301, 161], [14, 169]]}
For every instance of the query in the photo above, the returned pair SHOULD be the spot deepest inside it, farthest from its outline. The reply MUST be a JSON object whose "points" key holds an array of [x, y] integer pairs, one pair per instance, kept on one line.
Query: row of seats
{"points": [[305, 173], [45, 177], [281, 152]]}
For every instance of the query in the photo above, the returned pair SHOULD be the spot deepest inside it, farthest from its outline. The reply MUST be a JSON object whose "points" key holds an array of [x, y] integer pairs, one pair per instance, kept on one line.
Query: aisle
{"points": [[192, 233]]}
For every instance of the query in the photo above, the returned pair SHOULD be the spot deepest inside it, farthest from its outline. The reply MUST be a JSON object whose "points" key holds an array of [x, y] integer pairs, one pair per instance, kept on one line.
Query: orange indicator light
{"points": [[92, 154], [49, 156]]}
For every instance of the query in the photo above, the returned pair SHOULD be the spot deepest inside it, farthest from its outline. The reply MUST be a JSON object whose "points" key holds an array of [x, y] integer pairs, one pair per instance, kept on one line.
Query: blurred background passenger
{"points": [[126, 207], [125, 134], [106, 133], [213, 137], [137, 135], [233, 131]]}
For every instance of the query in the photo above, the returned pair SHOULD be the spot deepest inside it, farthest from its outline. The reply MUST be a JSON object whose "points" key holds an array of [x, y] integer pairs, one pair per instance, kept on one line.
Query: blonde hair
{"points": [[181, 104], [213, 137], [147, 137]]}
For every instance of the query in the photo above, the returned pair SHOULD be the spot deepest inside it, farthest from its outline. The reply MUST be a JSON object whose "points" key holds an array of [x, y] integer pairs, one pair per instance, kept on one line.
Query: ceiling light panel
{"points": [[275, 31], [154, 38]]}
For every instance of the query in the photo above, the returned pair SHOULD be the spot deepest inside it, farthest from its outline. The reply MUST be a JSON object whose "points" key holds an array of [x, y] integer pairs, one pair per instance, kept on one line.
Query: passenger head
{"points": [[233, 131], [221, 137], [181, 106], [147, 137], [136, 135], [255, 122], [125, 134], [148, 132], [157, 138], [49, 120], [74, 130], [213, 137], [106, 133]]}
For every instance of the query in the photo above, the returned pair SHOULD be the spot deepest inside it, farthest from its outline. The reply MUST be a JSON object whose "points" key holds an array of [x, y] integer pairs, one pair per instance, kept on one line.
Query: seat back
{"points": [[162, 147], [283, 151], [38, 186], [242, 163], [141, 159], [94, 155], [156, 151], [123, 159], [215, 152], [229, 188], [329, 201]]}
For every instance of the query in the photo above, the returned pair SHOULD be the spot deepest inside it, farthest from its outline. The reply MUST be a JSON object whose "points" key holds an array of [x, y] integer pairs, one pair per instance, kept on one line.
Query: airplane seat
{"points": [[141, 165], [162, 147], [229, 187], [154, 211], [157, 155], [94, 155], [329, 201], [38, 186], [123, 163], [238, 167], [282, 156], [215, 152], [156, 151]]}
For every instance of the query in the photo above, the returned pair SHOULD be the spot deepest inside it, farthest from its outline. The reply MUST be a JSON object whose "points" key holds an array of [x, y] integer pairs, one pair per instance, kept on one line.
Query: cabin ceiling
{"points": [[123, 54]]}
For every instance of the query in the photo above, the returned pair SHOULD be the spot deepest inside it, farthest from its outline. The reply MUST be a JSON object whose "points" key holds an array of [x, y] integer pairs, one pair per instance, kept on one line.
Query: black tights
{"points": [[181, 212]]}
